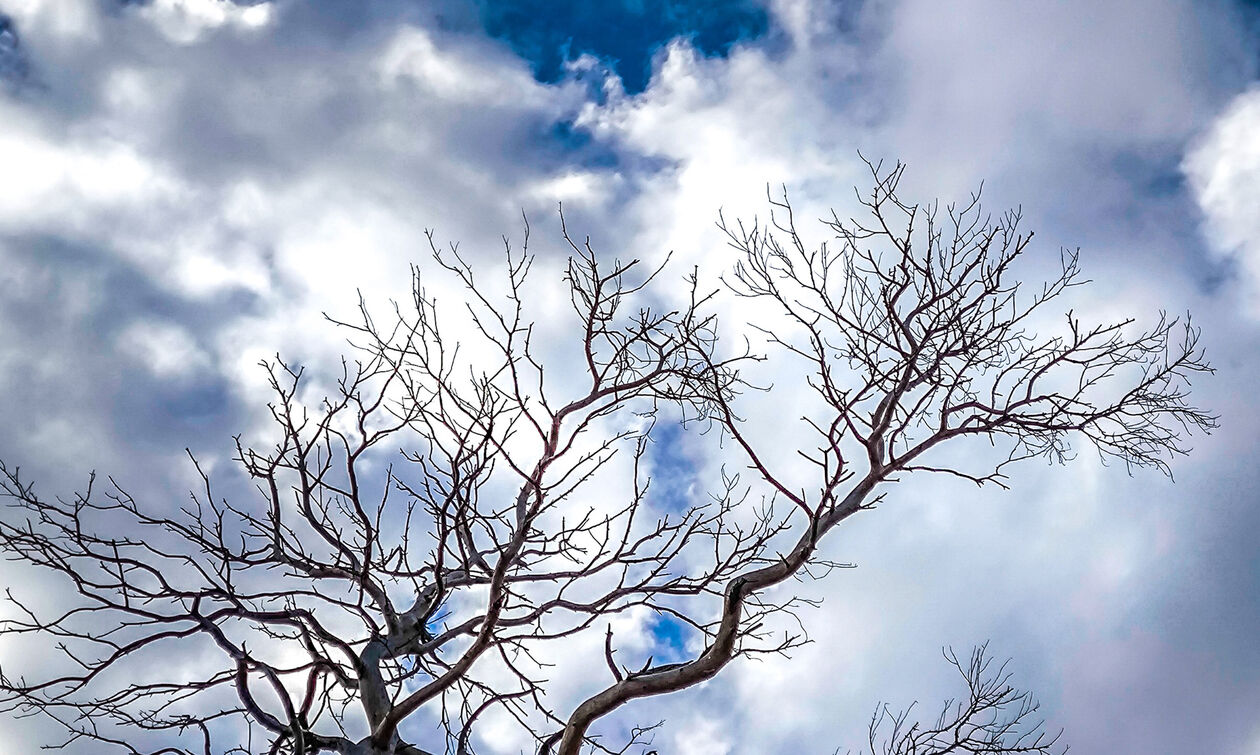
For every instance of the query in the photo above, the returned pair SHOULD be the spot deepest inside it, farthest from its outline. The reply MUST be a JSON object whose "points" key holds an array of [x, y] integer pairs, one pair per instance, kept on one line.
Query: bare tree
{"points": [[351, 600]]}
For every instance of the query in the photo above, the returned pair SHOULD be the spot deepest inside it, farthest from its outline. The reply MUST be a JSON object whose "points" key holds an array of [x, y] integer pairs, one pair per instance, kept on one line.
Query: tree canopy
{"points": [[360, 590]]}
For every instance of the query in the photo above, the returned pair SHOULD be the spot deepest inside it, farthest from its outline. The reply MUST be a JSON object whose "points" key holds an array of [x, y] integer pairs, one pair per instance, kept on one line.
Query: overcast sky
{"points": [[185, 185]]}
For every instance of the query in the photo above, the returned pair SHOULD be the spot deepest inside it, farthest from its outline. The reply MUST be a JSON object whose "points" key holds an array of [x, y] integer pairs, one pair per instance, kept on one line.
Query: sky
{"points": [[187, 185]]}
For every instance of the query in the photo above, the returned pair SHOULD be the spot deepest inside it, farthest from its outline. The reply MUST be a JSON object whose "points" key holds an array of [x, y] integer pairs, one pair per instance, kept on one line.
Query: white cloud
{"points": [[455, 74], [700, 736], [75, 183], [187, 21], [165, 349], [575, 188], [70, 21], [1224, 170]]}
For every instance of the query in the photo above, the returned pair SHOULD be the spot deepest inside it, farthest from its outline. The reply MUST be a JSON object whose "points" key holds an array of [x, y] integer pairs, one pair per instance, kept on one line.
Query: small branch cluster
{"points": [[994, 718], [917, 331]]}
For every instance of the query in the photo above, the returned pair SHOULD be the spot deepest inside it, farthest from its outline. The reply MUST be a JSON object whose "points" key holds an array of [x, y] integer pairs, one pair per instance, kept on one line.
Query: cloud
{"points": [[194, 182], [1224, 171], [164, 349], [185, 21], [232, 165]]}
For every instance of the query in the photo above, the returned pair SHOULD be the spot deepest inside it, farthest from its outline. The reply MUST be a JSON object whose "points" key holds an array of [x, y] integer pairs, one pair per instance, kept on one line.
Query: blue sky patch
{"points": [[623, 33], [670, 638], [673, 473]]}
